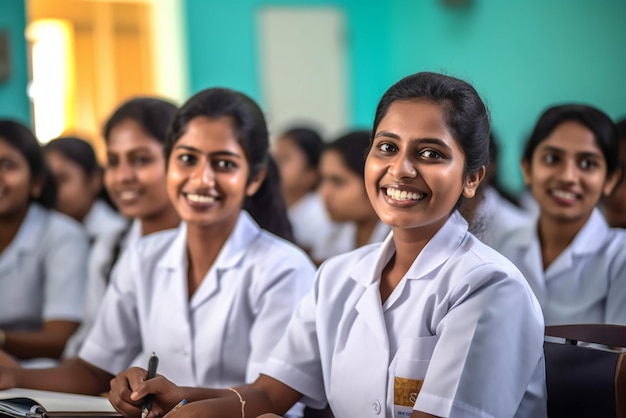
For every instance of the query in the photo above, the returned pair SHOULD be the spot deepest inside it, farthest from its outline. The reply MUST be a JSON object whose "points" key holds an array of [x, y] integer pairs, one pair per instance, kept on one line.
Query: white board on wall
{"points": [[302, 59]]}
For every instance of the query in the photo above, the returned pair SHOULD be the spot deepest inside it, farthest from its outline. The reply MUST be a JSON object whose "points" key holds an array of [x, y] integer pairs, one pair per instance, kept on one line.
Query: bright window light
{"points": [[52, 86]]}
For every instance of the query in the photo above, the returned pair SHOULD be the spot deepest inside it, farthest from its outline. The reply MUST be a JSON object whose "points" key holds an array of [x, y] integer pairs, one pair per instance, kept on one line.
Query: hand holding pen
{"points": [[147, 400]]}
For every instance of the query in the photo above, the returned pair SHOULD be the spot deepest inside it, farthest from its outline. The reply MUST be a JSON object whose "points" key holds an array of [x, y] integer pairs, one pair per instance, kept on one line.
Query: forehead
{"points": [[571, 137], [419, 117], [9, 150], [208, 134], [332, 163], [128, 136]]}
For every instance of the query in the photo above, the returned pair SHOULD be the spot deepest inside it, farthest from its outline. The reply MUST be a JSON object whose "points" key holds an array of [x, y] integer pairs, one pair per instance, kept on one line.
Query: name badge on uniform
{"points": [[405, 393]]}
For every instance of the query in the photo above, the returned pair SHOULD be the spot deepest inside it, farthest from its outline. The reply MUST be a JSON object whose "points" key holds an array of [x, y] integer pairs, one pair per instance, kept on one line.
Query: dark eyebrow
{"points": [[216, 153], [585, 154], [433, 141]]}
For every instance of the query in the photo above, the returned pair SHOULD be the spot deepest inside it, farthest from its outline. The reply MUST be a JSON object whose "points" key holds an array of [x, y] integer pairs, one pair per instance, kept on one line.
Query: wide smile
{"points": [[200, 200], [402, 197], [564, 197], [128, 196]]}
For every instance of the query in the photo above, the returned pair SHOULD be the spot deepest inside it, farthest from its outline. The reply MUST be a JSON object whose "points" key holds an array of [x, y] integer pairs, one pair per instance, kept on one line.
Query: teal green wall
{"points": [[521, 56], [14, 102], [223, 48]]}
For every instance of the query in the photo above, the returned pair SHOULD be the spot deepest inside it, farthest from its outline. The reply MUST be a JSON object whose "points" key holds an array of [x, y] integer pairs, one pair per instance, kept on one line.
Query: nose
{"points": [[402, 167], [569, 171], [204, 175], [123, 172]]}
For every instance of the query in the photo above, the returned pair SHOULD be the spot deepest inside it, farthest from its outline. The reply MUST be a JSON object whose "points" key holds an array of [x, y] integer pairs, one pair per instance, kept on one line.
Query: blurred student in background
{"points": [[614, 205], [212, 297], [343, 192], [43, 254], [135, 180], [574, 262], [493, 212], [297, 152], [80, 188]]}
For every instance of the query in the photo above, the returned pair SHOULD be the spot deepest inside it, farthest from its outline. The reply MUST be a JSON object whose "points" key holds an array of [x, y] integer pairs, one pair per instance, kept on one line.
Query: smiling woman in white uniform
{"points": [[213, 297], [431, 322], [43, 254], [134, 178], [574, 262]]}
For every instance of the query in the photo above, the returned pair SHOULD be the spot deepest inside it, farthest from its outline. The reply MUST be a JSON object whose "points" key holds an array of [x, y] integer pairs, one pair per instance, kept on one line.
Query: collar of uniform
{"points": [[592, 235], [30, 231], [246, 230], [435, 253]]}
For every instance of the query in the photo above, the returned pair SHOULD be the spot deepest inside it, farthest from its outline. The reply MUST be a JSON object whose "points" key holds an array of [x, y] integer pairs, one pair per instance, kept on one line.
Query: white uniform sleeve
{"points": [[65, 266], [487, 354], [296, 360], [615, 312], [115, 339], [274, 303]]}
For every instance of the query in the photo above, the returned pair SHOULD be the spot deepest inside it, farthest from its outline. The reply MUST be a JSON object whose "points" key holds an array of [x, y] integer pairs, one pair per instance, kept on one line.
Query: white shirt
{"points": [[102, 258], [342, 239], [220, 337], [310, 223], [463, 320], [43, 271], [496, 217], [587, 281], [102, 221]]}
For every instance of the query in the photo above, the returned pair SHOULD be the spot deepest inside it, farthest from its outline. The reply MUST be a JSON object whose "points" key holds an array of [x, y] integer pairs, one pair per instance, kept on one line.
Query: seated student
{"points": [[81, 192], [614, 205], [135, 180], [493, 212], [213, 297], [297, 152], [431, 322], [344, 195], [575, 263], [43, 254]]}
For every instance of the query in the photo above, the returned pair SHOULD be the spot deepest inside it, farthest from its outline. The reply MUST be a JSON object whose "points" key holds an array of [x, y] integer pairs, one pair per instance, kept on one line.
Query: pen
{"points": [[147, 401], [179, 404]]}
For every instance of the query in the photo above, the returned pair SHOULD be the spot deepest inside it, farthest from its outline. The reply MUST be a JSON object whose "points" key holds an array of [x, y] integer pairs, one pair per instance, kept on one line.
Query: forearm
{"points": [[48, 342], [73, 376]]}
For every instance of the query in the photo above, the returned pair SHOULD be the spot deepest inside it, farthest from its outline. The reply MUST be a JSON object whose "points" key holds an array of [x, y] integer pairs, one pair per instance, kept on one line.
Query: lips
{"points": [[200, 198], [564, 196], [128, 196], [403, 195]]}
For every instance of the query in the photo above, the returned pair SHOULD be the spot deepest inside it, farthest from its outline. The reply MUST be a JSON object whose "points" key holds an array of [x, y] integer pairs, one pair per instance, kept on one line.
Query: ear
{"points": [[526, 172], [256, 182], [472, 181], [611, 182]]}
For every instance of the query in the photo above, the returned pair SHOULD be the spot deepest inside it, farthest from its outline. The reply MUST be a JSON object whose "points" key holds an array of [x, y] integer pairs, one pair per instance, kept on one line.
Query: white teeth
{"points": [[128, 195], [403, 195], [563, 194], [200, 198]]}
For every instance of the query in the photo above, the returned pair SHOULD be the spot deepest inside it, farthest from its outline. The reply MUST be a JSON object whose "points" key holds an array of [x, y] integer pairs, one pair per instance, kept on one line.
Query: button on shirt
{"points": [[462, 321], [223, 335]]}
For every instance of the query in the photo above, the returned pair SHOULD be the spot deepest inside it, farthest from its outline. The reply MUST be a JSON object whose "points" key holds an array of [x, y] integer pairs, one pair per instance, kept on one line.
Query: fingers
{"points": [[157, 386], [122, 388]]}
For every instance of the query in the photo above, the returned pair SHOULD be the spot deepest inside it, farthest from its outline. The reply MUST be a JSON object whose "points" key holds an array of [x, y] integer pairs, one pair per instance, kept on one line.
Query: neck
{"points": [[364, 230], [293, 197], [166, 219], [203, 246], [556, 235], [9, 225]]}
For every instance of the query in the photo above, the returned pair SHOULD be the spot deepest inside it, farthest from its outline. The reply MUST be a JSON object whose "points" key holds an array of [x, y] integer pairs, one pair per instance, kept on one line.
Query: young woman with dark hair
{"points": [[429, 323], [43, 254]]}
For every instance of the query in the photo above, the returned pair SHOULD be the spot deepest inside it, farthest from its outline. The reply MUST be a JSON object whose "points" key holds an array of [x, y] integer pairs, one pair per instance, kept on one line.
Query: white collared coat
{"points": [[462, 319], [220, 336]]}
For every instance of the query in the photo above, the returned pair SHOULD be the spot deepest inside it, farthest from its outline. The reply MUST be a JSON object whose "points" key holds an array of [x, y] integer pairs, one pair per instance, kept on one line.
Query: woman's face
{"points": [[414, 172], [207, 178], [135, 172], [342, 190], [567, 173], [16, 185], [296, 176], [76, 191]]}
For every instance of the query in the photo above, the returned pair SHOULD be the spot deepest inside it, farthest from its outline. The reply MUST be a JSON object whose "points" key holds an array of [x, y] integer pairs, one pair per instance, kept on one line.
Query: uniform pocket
{"points": [[413, 358]]}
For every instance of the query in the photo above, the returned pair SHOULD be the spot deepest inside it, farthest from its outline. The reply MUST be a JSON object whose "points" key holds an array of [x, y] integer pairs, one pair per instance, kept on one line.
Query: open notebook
{"points": [[20, 403]]}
